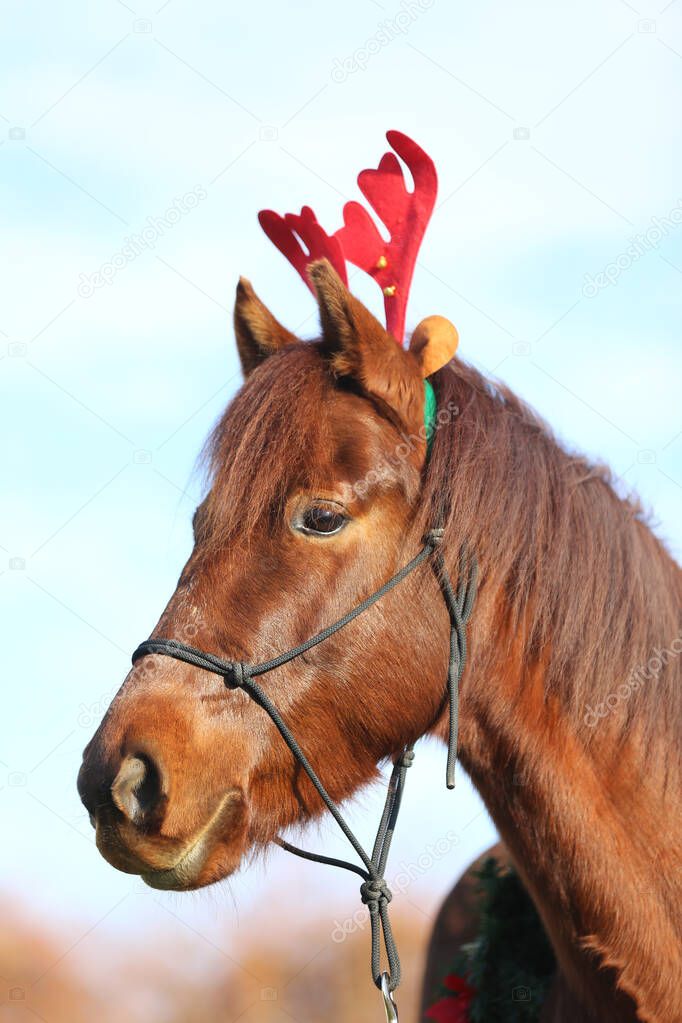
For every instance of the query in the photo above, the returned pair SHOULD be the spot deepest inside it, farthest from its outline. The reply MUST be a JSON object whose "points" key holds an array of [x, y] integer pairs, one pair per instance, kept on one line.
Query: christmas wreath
{"points": [[504, 975]]}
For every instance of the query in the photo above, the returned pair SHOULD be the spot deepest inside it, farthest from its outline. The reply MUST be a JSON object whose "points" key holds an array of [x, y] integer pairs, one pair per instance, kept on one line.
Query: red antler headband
{"points": [[405, 215]]}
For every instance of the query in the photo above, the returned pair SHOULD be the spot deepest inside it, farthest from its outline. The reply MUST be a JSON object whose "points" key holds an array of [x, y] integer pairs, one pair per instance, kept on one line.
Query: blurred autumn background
{"points": [[280, 972]]}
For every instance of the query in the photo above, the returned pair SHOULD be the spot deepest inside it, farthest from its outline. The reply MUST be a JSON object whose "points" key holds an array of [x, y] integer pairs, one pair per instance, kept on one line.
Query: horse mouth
{"points": [[211, 855], [185, 874]]}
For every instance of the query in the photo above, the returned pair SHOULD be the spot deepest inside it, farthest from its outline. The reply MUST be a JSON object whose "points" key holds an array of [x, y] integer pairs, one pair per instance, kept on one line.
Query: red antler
{"points": [[405, 215], [289, 231]]}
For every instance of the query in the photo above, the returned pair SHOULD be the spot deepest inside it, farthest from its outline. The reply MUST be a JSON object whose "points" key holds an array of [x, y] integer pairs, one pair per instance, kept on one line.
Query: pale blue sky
{"points": [[555, 129]]}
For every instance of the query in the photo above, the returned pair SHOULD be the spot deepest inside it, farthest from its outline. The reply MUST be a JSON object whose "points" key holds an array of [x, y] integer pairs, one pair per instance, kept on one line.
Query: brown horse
{"points": [[570, 704]]}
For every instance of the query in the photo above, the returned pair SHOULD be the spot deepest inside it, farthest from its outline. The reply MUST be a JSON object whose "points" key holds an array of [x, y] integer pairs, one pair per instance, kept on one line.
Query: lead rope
{"points": [[374, 890], [460, 606]]}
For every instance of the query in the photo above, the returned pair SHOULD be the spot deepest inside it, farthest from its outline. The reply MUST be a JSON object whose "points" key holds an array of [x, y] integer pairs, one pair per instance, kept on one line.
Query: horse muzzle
{"points": [[130, 817]]}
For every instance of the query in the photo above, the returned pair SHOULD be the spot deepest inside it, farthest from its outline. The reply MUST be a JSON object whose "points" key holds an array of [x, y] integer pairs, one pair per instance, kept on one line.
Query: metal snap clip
{"points": [[390, 1007]]}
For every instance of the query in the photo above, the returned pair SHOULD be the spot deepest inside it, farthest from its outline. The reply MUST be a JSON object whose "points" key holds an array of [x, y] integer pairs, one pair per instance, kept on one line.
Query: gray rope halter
{"points": [[374, 890]]}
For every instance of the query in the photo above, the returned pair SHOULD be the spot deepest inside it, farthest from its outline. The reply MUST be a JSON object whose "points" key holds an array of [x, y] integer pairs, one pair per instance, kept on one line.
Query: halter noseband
{"points": [[374, 891]]}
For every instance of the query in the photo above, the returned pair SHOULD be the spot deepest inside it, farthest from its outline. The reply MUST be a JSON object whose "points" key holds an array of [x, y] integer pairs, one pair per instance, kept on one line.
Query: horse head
{"points": [[315, 499]]}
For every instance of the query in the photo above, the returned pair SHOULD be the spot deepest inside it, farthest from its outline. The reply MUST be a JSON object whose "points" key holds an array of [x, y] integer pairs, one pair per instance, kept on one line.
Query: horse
{"points": [[570, 709]]}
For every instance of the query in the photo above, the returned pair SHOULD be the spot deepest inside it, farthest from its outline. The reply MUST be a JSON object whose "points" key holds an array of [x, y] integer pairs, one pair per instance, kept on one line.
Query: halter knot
{"points": [[434, 537], [238, 674], [375, 891]]}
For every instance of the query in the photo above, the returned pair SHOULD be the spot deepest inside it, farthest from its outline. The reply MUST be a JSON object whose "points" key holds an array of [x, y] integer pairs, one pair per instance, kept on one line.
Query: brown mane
{"points": [[540, 517], [249, 463]]}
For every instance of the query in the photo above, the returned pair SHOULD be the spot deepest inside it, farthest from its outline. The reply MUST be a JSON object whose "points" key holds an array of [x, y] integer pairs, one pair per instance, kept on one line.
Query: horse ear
{"points": [[357, 346], [257, 331]]}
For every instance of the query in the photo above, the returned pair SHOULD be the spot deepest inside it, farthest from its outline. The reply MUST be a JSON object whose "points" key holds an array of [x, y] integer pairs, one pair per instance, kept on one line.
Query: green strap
{"points": [[430, 406]]}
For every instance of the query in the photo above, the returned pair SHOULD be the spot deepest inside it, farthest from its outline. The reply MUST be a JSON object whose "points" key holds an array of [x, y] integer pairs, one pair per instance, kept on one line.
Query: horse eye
{"points": [[322, 520]]}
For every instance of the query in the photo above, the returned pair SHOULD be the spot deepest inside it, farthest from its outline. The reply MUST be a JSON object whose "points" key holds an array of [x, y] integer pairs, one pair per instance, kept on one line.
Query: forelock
{"points": [[271, 436]]}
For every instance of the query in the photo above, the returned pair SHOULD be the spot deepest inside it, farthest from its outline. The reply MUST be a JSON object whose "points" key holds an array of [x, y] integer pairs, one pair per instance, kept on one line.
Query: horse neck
{"points": [[576, 594], [594, 843]]}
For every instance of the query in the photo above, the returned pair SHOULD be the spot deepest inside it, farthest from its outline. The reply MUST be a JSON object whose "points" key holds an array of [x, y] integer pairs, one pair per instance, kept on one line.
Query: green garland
{"points": [[504, 976]]}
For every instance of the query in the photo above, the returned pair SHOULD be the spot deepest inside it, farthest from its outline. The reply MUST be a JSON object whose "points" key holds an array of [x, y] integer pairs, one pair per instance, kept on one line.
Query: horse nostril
{"points": [[136, 789]]}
